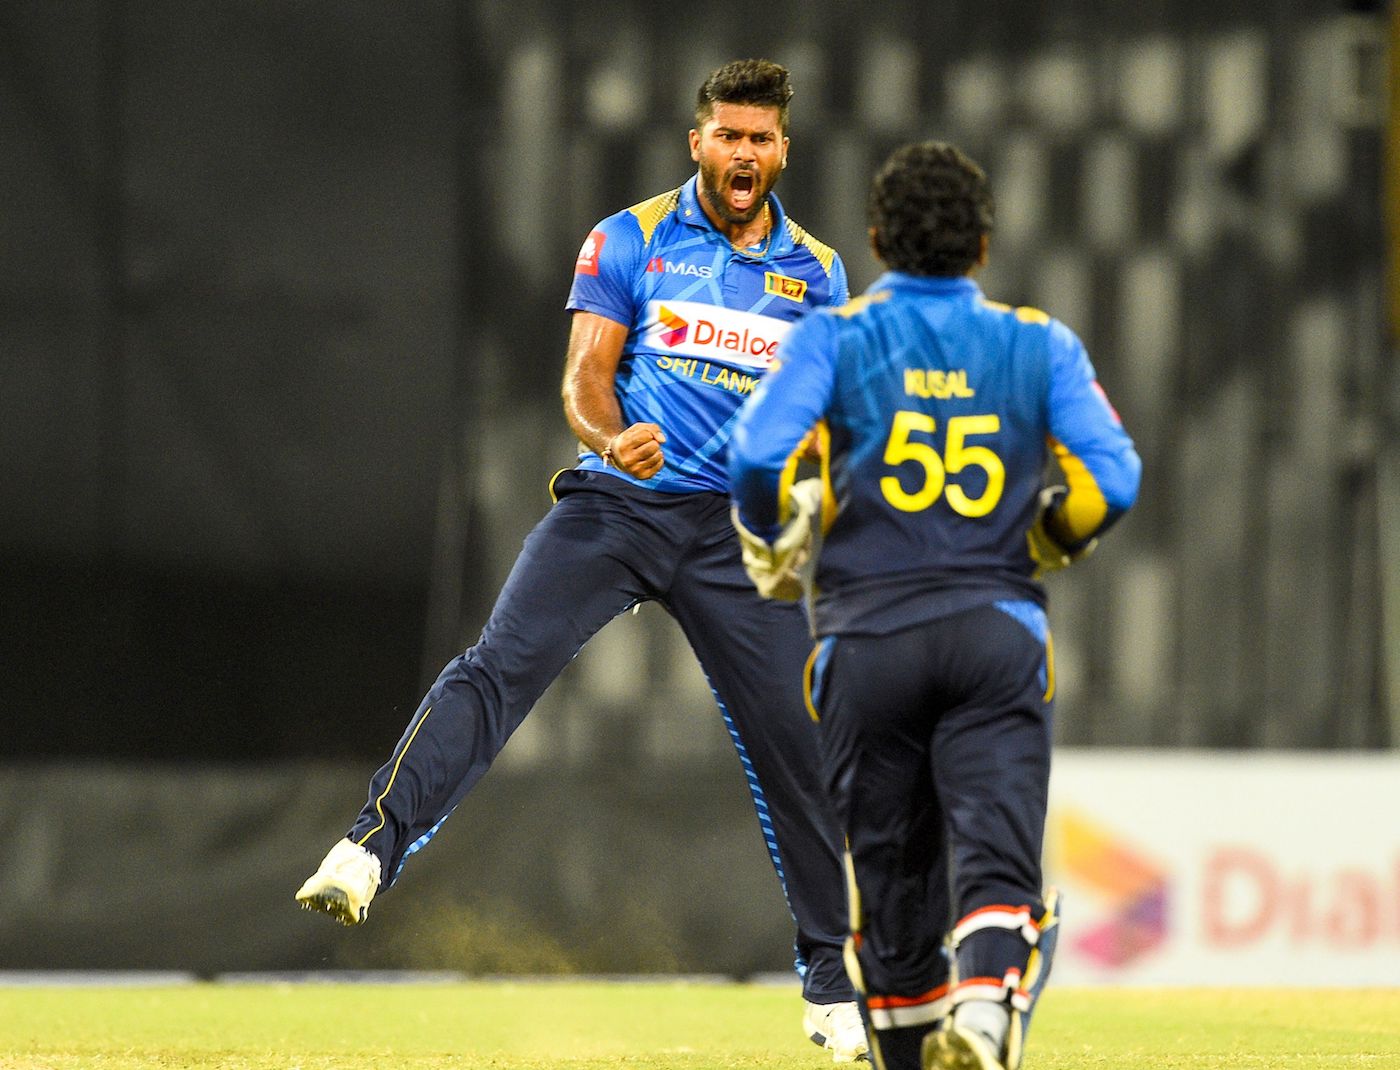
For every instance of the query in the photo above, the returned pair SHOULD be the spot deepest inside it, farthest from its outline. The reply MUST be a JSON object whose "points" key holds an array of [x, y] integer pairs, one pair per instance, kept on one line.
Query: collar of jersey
{"points": [[929, 284], [690, 212]]}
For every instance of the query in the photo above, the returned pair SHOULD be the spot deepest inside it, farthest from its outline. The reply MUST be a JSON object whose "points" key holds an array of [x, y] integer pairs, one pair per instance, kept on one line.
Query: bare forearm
{"points": [[593, 412], [590, 399], [592, 409]]}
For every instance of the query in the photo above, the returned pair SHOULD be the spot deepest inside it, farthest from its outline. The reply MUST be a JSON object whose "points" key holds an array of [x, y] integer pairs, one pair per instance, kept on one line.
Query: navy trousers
{"points": [[603, 547], [937, 756]]}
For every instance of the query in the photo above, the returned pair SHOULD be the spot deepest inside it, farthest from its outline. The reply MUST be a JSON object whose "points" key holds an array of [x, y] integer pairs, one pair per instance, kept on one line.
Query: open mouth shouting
{"points": [[743, 192]]}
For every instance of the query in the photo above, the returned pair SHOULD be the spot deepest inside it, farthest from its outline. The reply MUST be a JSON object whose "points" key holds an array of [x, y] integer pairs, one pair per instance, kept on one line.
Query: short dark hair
{"points": [[745, 81], [930, 205]]}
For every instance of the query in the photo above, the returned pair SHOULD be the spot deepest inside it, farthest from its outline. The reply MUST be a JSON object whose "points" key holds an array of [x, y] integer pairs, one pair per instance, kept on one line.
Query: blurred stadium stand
{"points": [[281, 328]]}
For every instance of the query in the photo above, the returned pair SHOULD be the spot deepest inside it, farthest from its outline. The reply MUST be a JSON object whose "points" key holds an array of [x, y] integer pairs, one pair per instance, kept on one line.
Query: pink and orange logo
{"points": [[676, 328], [1134, 889]]}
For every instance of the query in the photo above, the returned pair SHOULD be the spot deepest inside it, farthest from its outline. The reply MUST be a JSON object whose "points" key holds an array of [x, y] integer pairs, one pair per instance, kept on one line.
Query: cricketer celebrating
{"points": [[679, 306], [933, 675]]}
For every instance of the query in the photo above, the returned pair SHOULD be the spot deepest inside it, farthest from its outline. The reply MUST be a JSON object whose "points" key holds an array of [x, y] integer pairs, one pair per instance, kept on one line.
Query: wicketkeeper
{"points": [[933, 677]]}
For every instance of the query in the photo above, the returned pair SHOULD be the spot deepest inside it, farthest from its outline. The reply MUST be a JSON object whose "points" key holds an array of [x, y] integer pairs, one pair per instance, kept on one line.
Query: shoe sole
{"points": [[952, 1052], [332, 901]]}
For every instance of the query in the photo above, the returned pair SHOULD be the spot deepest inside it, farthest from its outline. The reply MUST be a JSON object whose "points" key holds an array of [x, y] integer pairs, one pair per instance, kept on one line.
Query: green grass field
{"points": [[581, 1026]]}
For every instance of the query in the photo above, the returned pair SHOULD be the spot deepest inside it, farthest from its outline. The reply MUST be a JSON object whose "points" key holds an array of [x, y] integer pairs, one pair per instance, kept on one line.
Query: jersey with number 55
{"points": [[941, 411]]}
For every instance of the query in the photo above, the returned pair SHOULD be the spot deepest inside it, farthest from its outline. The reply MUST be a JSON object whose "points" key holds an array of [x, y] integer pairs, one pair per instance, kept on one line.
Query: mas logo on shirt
{"points": [[587, 263], [784, 286], [693, 329], [679, 267]]}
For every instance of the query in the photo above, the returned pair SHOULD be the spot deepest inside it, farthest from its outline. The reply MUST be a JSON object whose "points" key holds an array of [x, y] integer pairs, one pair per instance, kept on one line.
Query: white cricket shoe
{"points": [[344, 885], [956, 1047], [837, 1027]]}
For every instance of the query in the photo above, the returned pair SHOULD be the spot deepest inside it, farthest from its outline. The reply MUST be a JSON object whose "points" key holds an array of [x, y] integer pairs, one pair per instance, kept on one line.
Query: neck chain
{"points": [[754, 250]]}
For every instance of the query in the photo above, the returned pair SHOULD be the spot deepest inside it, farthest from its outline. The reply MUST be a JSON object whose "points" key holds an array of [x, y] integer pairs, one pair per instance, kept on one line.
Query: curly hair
{"points": [[745, 81], [930, 206]]}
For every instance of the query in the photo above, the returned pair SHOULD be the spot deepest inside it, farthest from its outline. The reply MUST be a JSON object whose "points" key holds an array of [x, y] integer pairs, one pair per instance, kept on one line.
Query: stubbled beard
{"points": [[711, 187]]}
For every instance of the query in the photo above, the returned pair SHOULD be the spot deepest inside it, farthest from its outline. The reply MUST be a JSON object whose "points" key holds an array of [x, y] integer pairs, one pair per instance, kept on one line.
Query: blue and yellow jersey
{"points": [[705, 321], [942, 409]]}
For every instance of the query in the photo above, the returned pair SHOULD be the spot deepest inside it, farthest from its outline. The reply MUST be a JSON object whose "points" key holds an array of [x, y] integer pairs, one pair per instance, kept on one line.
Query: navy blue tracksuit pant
{"points": [[603, 547], [937, 755]]}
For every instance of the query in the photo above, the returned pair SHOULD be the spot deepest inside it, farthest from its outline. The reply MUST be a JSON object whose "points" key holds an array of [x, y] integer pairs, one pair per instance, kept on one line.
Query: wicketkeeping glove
{"points": [[774, 568], [1047, 552]]}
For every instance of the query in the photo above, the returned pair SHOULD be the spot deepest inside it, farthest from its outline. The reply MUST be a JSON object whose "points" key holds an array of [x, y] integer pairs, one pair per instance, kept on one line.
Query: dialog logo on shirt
{"points": [[676, 327], [587, 262], [692, 329]]}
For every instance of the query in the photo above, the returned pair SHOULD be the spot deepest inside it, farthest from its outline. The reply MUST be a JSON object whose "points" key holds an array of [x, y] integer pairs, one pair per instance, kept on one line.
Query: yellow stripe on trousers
{"points": [[379, 802]]}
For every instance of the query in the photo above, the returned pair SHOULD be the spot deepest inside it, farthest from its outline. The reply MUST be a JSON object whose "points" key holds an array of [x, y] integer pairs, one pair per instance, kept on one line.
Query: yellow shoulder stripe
{"points": [[1024, 313], [859, 304], [651, 212], [824, 253]]}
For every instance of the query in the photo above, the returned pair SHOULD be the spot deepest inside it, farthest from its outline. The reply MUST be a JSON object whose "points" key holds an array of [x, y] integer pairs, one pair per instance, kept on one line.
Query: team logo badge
{"points": [[587, 263], [784, 286]]}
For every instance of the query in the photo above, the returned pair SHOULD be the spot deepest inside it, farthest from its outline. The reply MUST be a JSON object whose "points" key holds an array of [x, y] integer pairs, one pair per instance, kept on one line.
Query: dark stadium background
{"points": [[281, 330]]}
